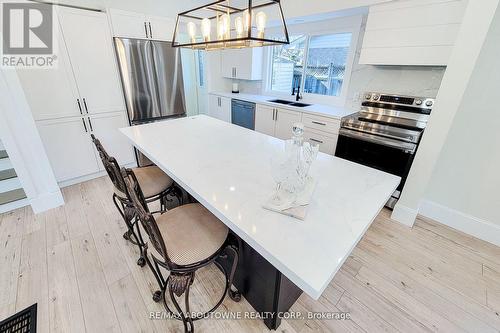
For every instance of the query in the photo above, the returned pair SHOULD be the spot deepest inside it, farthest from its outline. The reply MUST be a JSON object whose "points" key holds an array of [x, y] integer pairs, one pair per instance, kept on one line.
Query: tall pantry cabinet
{"points": [[80, 97]]}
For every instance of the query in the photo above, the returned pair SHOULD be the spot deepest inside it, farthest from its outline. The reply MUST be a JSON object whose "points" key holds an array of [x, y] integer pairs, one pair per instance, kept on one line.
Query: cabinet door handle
{"points": [[79, 106], [146, 29], [90, 123], [85, 104], [150, 30], [84, 126], [318, 123], [315, 140]]}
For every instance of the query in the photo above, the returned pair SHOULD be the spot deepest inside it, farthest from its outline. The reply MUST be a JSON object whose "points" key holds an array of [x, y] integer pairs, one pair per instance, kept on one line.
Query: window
{"points": [[316, 63]]}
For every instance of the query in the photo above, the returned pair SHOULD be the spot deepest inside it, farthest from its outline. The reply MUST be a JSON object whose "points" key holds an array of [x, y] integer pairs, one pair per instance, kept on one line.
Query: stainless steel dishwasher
{"points": [[243, 113]]}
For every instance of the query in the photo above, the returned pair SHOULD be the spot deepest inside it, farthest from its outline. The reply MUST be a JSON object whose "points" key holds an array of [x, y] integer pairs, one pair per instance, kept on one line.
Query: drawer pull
{"points": [[318, 123], [315, 140]]}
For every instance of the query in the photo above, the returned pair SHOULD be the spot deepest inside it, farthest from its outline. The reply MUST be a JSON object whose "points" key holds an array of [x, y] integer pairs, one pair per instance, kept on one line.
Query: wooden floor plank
{"points": [[10, 254], [130, 308], [33, 284], [429, 278], [95, 296], [65, 308]]}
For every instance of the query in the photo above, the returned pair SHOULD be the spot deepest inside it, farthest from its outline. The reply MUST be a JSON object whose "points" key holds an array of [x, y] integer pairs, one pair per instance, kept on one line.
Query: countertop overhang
{"points": [[227, 169]]}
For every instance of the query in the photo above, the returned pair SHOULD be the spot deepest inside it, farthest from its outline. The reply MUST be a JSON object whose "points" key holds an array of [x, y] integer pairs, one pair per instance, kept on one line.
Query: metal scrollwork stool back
{"points": [[159, 185], [182, 241]]}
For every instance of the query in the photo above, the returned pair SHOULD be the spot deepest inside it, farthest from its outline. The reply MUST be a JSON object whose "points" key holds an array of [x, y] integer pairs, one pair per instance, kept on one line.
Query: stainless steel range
{"points": [[385, 134]]}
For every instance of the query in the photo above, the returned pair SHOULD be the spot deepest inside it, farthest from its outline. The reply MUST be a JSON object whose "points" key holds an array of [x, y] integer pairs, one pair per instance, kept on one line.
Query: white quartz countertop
{"points": [[227, 168], [317, 109]]}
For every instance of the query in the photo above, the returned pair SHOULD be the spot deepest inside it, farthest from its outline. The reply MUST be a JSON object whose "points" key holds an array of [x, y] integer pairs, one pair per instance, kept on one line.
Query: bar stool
{"points": [[156, 184], [183, 240]]}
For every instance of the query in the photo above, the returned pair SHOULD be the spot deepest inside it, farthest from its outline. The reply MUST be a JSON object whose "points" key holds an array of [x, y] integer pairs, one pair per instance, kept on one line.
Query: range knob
{"points": [[376, 97], [429, 103], [368, 96], [418, 102]]}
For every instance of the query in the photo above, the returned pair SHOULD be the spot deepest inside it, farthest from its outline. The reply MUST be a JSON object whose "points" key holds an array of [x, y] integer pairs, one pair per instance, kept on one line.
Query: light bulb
{"points": [[205, 29], [223, 26], [260, 20], [246, 16], [226, 25], [238, 23], [191, 27]]}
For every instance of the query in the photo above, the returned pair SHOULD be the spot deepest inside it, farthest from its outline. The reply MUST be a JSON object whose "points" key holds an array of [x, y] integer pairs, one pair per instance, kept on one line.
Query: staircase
{"points": [[12, 195]]}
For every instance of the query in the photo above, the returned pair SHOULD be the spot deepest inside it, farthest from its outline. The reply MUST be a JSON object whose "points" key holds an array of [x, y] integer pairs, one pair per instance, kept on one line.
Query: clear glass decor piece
{"points": [[290, 169]]}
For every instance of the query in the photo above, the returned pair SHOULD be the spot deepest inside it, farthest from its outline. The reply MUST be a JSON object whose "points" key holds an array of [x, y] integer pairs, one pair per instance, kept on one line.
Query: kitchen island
{"points": [[227, 168]]}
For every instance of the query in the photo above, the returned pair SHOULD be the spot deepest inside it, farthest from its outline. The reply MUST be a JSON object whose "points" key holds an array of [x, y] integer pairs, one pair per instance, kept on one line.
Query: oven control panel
{"points": [[421, 102]]}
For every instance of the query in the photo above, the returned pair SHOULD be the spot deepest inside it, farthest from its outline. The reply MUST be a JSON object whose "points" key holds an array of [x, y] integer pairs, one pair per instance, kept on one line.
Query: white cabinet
{"points": [[279, 122], [138, 25], [243, 64], [106, 128], [412, 32], [284, 123], [220, 107], [68, 147], [92, 59], [162, 28], [264, 119], [327, 141], [275, 122], [83, 95]]}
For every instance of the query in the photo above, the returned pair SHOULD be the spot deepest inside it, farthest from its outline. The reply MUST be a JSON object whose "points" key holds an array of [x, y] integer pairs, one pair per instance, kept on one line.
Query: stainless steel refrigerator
{"points": [[151, 73]]}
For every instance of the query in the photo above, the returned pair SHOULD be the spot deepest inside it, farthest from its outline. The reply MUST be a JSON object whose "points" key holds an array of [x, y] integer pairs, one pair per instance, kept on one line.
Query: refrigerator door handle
{"points": [[146, 29], [150, 30]]}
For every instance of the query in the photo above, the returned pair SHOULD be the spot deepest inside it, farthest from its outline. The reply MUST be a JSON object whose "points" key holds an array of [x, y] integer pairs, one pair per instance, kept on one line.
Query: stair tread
{"points": [[11, 196], [7, 174], [3, 154]]}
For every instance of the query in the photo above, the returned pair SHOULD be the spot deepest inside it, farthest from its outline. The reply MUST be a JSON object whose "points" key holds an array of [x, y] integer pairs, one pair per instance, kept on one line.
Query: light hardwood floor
{"points": [[75, 264]]}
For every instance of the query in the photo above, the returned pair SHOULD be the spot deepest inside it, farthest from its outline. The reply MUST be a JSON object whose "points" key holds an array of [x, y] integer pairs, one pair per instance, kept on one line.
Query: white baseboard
{"points": [[14, 205], [46, 201], [468, 224], [404, 215]]}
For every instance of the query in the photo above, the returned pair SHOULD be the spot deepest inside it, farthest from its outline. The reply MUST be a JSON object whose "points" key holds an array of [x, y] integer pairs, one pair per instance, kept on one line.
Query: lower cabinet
{"points": [[327, 141], [275, 122], [67, 143], [220, 107], [106, 128], [284, 123], [279, 122], [70, 149]]}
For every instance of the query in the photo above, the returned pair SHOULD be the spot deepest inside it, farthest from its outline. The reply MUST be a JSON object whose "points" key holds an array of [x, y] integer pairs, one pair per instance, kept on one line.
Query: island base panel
{"points": [[268, 291]]}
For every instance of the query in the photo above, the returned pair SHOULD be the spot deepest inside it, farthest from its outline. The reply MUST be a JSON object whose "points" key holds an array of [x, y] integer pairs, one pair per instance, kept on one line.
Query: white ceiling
{"points": [[291, 8]]}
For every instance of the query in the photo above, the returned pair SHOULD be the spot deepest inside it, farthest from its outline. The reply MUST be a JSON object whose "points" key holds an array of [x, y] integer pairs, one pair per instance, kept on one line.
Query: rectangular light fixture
{"points": [[230, 24]]}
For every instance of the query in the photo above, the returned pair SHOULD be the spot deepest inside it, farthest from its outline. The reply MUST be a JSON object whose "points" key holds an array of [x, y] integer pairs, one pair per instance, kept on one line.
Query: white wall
{"points": [[466, 178], [451, 99]]}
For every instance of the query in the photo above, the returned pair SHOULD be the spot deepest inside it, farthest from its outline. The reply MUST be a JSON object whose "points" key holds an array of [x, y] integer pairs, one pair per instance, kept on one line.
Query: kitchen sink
{"points": [[300, 105], [283, 101]]}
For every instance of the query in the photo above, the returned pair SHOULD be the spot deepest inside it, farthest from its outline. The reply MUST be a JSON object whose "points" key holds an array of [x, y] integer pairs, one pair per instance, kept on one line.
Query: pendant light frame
{"points": [[231, 43]]}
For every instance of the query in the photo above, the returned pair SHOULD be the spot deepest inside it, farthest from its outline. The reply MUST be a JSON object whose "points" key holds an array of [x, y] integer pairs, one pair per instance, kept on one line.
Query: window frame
{"points": [[351, 25]]}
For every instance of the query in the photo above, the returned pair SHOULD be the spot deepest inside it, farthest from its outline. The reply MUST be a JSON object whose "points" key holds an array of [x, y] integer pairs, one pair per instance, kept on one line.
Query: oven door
{"points": [[385, 154]]}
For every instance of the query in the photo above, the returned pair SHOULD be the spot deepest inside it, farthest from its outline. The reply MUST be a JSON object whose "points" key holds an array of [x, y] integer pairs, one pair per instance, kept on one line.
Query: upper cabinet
{"points": [[243, 64], [412, 32], [137, 25], [92, 59]]}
